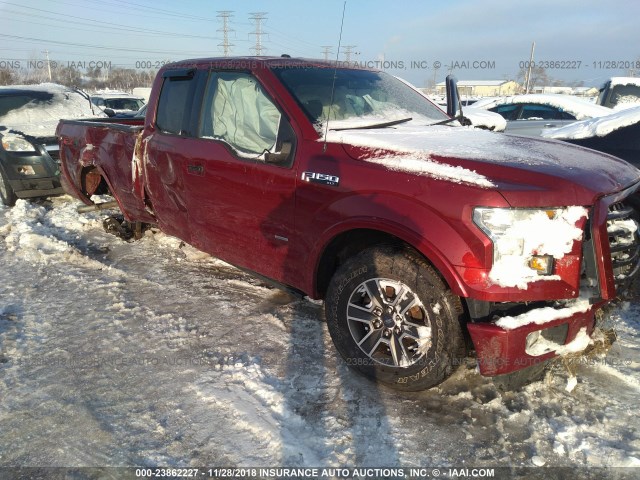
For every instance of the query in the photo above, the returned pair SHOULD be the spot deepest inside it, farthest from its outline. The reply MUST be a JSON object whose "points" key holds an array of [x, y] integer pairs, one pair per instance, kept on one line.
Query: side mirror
{"points": [[279, 157], [110, 112], [454, 104], [453, 97]]}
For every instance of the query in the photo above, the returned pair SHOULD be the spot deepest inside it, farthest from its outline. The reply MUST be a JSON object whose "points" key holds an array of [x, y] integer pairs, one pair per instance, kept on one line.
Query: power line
{"points": [[258, 17], [101, 47], [225, 15]]}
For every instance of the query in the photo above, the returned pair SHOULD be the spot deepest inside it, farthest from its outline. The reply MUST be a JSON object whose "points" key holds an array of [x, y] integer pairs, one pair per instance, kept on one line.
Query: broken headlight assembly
{"points": [[515, 235]]}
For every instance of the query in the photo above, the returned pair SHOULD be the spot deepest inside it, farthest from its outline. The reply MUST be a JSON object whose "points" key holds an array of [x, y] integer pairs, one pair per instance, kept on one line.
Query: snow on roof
{"points": [[596, 127], [40, 117], [577, 107], [625, 81]]}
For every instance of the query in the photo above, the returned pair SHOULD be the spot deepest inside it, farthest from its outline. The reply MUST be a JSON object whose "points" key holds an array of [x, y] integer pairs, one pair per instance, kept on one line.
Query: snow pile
{"points": [[184, 361], [596, 127], [577, 107], [539, 235], [31, 235], [540, 316]]}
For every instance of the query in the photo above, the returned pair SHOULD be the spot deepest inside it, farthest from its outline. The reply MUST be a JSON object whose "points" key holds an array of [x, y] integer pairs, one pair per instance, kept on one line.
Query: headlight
{"points": [[526, 241], [14, 143]]}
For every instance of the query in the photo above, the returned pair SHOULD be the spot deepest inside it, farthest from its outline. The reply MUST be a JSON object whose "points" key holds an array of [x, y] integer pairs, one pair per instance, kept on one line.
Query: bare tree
{"points": [[539, 78]]}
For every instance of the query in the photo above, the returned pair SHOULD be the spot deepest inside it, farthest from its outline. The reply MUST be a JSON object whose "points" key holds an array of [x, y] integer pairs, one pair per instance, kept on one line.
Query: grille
{"points": [[624, 240]]}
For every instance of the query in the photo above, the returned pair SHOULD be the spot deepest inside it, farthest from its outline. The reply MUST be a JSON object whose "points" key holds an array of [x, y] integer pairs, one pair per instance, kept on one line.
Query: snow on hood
{"points": [[412, 153], [475, 154], [577, 107], [40, 118], [596, 127]]}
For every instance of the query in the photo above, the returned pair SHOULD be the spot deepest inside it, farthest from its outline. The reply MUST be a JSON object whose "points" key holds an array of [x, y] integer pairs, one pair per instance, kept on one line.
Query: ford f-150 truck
{"points": [[424, 238]]}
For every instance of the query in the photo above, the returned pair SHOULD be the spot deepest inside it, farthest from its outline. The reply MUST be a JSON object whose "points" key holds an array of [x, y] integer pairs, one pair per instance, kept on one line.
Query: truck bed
{"points": [[102, 148]]}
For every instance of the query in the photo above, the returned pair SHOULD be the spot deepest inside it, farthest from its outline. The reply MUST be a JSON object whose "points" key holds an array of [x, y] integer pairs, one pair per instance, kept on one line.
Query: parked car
{"points": [[138, 114], [29, 160], [346, 185], [617, 134], [620, 92], [112, 102], [531, 114]]}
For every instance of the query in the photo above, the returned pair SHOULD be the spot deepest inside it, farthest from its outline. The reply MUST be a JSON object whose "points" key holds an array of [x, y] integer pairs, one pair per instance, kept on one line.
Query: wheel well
{"points": [[92, 182], [346, 245]]}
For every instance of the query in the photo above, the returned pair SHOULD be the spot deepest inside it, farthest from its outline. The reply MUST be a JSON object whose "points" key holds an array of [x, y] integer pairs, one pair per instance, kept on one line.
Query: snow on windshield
{"points": [[577, 107], [38, 113], [596, 127]]}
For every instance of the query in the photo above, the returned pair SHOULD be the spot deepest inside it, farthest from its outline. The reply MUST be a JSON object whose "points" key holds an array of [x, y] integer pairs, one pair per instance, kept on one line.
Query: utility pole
{"points": [[326, 51], [46, 52], [348, 50], [225, 15], [528, 76], [258, 17]]}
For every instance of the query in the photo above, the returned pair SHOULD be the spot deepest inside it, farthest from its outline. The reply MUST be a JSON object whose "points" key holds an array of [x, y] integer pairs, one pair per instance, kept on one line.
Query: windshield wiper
{"points": [[464, 121], [375, 125]]}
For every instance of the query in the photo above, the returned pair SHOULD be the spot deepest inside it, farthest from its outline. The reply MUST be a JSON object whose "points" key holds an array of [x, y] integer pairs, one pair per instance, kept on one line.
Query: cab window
{"points": [[174, 104]]}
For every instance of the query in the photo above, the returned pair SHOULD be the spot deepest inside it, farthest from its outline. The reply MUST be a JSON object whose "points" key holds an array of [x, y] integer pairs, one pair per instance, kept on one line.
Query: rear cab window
{"points": [[174, 104]]}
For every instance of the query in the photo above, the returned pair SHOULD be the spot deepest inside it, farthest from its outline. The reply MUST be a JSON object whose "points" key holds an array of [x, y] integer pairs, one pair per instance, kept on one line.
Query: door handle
{"points": [[195, 169], [550, 125]]}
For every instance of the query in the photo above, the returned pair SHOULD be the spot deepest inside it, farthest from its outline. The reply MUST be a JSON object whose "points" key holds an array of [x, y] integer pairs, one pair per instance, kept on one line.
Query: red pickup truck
{"points": [[423, 237]]}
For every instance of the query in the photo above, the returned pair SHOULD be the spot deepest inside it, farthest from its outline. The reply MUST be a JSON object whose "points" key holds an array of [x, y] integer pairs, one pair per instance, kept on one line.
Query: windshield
{"points": [[622, 94], [123, 103], [361, 98]]}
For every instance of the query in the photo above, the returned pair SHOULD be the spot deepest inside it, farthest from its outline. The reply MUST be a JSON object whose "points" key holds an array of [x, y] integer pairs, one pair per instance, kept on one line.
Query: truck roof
{"points": [[266, 62]]}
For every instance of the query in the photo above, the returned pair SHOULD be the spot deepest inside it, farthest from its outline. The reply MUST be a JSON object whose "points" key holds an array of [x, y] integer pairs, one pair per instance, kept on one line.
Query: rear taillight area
{"points": [[624, 242]]}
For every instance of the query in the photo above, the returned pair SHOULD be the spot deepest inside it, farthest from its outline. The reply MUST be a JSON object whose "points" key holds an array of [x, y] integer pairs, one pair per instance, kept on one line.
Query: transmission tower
{"points": [[258, 17], [348, 50], [326, 51], [225, 15]]}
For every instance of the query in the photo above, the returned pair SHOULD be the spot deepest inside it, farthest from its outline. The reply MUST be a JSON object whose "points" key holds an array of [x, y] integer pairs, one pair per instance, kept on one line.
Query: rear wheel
{"points": [[393, 319], [7, 195]]}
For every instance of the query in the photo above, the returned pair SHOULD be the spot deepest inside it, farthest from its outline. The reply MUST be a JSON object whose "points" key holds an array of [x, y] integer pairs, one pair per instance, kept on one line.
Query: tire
{"points": [[393, 319], [7, 195]]}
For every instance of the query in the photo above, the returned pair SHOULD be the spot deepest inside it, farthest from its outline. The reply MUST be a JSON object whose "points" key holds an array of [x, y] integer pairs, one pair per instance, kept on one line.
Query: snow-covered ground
{"points": [[150, 353]]}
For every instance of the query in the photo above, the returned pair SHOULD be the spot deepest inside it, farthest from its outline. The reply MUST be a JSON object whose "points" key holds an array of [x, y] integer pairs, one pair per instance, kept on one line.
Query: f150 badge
{"points": [[323, 178]]}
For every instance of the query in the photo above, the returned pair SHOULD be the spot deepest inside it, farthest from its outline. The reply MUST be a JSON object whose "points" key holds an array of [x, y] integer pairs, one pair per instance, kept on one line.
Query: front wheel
{"points": [[393, 319], [7, 195]]}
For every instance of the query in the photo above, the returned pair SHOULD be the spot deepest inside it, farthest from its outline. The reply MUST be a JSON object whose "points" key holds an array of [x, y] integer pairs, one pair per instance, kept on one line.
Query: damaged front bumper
{"points": [[524, 334], [501, 350]]}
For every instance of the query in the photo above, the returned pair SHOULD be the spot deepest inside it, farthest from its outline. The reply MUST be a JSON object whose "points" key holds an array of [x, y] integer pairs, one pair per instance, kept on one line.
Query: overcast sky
{"points": [[586, 40]]}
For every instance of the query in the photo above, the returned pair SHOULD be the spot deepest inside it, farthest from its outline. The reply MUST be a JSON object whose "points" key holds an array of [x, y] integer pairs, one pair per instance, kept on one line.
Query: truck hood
{"points": [[527, 171]]}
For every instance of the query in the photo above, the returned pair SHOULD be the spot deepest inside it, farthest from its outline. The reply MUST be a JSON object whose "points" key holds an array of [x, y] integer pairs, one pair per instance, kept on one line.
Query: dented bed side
{"points": [[95, 151]]}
